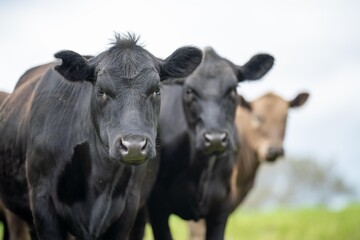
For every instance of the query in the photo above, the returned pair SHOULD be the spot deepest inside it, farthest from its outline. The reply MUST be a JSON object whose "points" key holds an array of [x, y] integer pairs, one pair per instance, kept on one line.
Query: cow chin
{"points": [[213, 150], [129, 159], [134, 162], [118, 159], [134, 159]]}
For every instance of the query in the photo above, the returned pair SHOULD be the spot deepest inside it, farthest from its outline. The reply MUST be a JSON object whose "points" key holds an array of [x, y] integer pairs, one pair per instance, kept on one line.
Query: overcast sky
{"points": [[316, 45]]}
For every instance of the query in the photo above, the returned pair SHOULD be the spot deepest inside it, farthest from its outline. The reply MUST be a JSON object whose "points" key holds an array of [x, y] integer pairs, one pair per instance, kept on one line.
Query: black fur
{"points": [[63, 167], [193, 181]]}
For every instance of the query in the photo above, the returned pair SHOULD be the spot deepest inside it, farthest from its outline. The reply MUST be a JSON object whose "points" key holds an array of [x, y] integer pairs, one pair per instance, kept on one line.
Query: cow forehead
{"points": [[213, 77], [146, 79], [270, 105], [127, 63], [215, 67]]}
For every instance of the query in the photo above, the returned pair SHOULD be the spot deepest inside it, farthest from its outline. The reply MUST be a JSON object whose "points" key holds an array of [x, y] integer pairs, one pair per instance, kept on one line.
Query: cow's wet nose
{"points": [[216, 142], [274, 153], [133, 149]]}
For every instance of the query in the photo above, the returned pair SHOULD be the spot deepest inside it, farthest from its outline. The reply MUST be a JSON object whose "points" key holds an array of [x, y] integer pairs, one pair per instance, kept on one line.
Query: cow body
{"points": [[81, 137], [198, 139], [261, 126], [14, 227]]}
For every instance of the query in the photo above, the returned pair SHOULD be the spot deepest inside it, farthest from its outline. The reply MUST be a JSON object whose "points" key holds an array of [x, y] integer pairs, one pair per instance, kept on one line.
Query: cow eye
{"points": [[233, 93], [257, 121], [189, 91], [102, 95], [189, 95], [157, 91]]}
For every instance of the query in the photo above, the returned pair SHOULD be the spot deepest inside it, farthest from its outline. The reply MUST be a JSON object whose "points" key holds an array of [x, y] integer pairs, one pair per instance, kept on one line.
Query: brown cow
{"points": [[3, 96], [15, 228], [261, 128]]}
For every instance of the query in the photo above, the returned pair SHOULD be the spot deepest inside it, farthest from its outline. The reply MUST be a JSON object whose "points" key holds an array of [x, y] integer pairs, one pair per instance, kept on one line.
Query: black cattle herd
{"points": [[94, 147]]}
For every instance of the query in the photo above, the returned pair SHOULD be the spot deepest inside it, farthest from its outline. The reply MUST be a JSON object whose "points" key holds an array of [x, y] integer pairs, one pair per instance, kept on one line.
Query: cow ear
{"points": [[74, 67], [243, 103], [299, 100], [255, 68], [175, 81], [180, 63]]}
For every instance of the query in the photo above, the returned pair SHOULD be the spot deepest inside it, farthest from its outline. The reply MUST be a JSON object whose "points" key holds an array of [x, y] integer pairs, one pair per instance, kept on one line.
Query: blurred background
{"points": [[316, 44]]}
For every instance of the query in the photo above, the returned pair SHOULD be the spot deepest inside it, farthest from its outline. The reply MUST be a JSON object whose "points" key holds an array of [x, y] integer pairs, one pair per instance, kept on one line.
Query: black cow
{"points": [[14, 227], [198, 138], [79, 137]]}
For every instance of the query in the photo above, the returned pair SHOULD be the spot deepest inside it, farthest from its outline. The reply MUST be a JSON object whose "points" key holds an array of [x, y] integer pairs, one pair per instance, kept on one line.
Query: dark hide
{"points": [[198, 140], [261, 127], [14, 227], [80, 137]]}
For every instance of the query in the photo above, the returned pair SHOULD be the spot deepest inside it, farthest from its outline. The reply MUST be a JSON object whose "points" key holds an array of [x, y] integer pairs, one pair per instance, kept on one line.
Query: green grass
{"points": [[304, 224], [1, 231]]}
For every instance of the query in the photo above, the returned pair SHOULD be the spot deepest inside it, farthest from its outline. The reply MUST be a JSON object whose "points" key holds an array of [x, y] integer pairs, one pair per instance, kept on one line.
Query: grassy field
{"points": [[302, 224]]}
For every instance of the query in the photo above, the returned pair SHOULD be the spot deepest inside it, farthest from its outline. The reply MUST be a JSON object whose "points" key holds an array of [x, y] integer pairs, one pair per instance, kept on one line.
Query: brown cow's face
{"points": [[262, 123]]}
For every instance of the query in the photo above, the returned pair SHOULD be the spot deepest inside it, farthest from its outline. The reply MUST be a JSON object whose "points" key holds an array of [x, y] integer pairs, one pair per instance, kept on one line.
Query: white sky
{"points": [[316, 45]]}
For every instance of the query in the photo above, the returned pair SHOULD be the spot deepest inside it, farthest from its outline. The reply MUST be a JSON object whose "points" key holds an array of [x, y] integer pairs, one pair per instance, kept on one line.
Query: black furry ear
{"points": [[74, 67], [181, 63], [255, 68], [243, 103], [175, 81]]}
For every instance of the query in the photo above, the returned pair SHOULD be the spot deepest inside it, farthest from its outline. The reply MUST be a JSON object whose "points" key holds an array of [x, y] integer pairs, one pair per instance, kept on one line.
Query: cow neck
{"points": [[247, 166], [109, 182], [205, 179], [104, 170]]}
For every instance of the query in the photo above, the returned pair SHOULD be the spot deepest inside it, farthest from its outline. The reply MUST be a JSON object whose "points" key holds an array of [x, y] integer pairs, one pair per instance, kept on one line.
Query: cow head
{"points": [[262, 123], [209, 98], [125, 101]]}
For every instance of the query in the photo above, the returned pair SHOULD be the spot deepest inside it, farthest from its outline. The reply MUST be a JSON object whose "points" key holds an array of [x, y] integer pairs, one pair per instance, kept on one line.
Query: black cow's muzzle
{"points": [[215, 142], [133, 149]]}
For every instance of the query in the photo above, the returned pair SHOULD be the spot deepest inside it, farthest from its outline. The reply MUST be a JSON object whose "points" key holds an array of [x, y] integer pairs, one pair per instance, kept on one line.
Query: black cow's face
{"points": [[209, 97], [126, 95]]}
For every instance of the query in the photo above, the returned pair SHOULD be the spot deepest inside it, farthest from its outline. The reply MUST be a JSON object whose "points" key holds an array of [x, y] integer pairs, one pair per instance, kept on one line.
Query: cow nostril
{"points": [[144, 145], [122, 146], [274, 152], [281, 152], [207, 137], [224, 137]]}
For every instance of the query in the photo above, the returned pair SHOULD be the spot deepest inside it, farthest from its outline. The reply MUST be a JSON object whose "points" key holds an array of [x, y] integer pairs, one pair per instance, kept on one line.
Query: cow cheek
{"points": [[262, 150]]}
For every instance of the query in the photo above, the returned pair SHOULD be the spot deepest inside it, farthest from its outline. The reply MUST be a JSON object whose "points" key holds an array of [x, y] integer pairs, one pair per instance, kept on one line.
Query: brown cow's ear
{"points": [[74, 67], [243, 103], [255, 68], [299, 100], [180, 63]]}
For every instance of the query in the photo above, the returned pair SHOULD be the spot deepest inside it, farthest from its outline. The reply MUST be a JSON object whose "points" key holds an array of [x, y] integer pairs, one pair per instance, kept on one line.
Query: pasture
{"points": [[315, 223]]}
